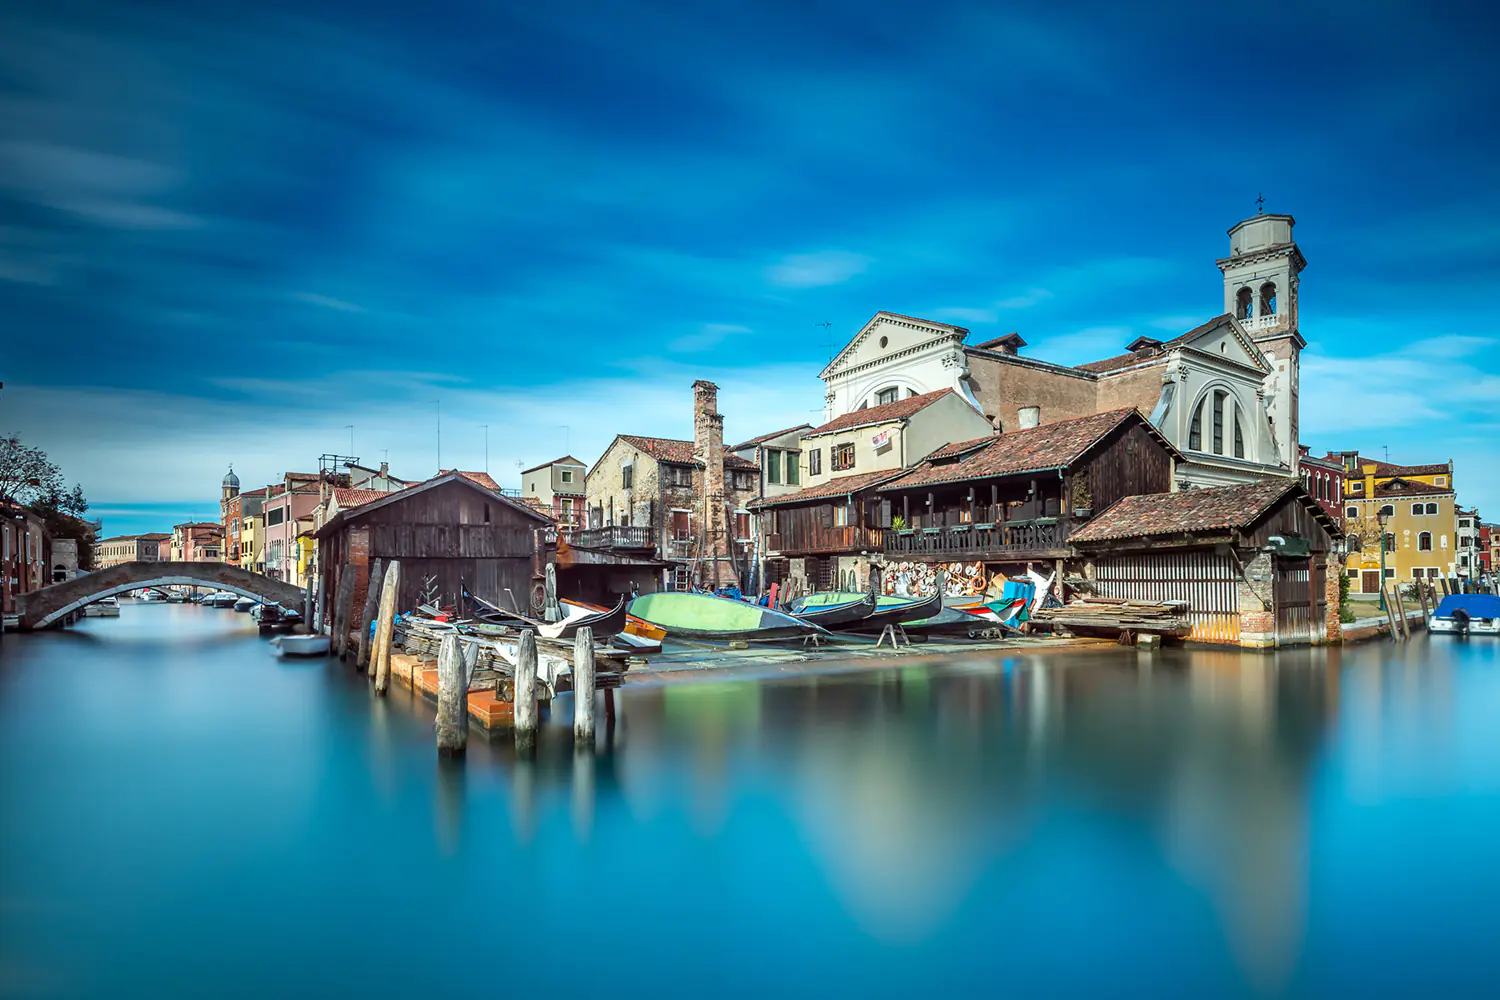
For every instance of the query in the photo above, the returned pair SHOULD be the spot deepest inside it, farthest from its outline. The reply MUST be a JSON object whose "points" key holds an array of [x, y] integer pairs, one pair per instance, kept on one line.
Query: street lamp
{"points": [[1381, 517]]}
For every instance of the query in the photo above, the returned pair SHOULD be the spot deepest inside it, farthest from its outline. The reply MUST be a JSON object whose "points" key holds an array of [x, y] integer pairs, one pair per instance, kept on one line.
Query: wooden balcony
{"points": [[1041, 538], [823, 539], [635, 536]]}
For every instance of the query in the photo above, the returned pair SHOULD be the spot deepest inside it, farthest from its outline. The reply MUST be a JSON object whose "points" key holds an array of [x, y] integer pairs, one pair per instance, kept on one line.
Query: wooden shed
{"points": [[1254, 562], [450, 530]]}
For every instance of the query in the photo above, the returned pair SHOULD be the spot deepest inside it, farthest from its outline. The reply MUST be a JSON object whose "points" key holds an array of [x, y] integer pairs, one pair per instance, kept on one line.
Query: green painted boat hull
{"points": [[702, 616]]}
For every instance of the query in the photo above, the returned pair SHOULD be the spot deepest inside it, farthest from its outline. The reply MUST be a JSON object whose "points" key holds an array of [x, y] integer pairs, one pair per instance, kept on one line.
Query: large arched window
{"points": [[1424, 542], [1244, 304], [1195, 432], [887, 395], [1268, 299]]}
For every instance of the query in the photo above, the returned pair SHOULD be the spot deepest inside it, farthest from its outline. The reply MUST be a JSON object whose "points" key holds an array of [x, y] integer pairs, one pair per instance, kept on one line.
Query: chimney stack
{"points": [[716, 568]]}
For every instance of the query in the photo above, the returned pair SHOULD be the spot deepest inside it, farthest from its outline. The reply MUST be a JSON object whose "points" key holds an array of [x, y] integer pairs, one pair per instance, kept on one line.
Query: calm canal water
{"points": [[184, 815]]}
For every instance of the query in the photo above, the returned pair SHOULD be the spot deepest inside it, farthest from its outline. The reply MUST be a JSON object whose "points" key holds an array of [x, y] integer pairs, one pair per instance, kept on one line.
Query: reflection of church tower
{"points": [[1260, 291]]}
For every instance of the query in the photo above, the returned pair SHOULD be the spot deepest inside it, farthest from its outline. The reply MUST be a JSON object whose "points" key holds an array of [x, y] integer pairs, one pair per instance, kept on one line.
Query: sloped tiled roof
{"points": [[482, 478], [565, 460], [1150, 353], [155, 536], [766, 437], [255, 493], [347, 498], [536, 504], [1050, 446], [1222, 508], [680, 452], [1399, 487], [958, 448], [1387, 469], [841, 486], [899, 410]]}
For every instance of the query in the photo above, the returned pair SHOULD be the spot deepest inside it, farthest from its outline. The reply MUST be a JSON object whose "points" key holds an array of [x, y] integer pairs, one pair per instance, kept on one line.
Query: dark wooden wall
{"points": [[1290, 517], [459, 535], [1130, 462], [811, 529]]}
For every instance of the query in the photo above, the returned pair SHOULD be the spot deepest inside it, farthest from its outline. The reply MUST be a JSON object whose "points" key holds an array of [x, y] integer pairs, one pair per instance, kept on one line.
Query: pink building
{"points": [[197, 541], [289, 511]]}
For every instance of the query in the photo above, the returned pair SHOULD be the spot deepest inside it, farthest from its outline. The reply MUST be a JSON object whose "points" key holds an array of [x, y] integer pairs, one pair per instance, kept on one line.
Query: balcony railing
{"points": [[1267, 322], [635, 536], [980, 541], [825, 539]]}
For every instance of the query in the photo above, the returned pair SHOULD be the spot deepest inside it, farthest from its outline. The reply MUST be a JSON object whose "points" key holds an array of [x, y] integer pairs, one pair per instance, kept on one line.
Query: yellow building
{"points": [[251, 542], [1413, 506]]}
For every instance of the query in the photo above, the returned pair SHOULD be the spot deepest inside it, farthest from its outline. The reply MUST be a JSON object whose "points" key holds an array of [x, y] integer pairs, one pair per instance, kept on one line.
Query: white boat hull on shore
{"points": [[301, 645]]}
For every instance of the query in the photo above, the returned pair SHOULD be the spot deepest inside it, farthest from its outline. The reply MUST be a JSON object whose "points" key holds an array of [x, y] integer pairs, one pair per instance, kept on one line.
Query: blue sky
{"points": [[227, 236]]}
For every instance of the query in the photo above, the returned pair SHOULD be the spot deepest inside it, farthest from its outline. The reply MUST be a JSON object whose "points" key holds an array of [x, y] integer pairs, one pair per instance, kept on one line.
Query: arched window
{"points": [[1218, 398], [1239, 435], [1195, 433], [1351, 511], [1268, 299], [1416, 509], [1432, 508], [1390, 542], [1244, 304], [1424, 542], [1388, 510], [887, 395]]}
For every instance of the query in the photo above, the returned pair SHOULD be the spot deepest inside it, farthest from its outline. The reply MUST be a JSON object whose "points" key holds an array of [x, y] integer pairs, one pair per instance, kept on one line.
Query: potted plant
{"points": [[1083, 500]]}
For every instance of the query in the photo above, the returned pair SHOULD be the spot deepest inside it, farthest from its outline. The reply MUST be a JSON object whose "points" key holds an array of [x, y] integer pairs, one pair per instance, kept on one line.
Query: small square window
{"points": [[567, 475]]}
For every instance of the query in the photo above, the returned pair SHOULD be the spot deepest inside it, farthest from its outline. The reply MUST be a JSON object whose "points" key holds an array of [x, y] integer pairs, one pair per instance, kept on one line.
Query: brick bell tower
{"points": [[1262, 276], [714, 566]]}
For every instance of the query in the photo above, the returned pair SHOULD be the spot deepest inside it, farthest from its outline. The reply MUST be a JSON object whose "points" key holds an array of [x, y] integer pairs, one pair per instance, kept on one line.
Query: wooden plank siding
{"points": [[1129, 462]]}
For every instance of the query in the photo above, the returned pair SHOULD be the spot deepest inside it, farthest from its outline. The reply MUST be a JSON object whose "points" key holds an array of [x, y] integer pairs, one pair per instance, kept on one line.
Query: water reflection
{"points": [[1204, 822]]}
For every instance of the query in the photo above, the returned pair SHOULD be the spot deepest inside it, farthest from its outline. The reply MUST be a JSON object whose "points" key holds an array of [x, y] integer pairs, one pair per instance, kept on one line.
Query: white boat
{"points": [[301, 645], [106, 607], [1467, 614], [221, 599], [245, 604], [152, 596]]}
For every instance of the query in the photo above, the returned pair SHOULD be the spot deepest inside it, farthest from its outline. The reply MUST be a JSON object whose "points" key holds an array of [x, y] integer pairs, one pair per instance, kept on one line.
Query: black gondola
{"points": [[834, 616]]}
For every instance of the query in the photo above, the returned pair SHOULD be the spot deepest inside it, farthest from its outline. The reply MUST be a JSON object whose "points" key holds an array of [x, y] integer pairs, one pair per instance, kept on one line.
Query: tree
{"points": [[76, 503], [27, 475]]}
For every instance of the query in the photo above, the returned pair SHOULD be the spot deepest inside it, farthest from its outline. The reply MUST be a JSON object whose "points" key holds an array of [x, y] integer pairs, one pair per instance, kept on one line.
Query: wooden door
{"points": [[1291, 591], [1369, 581], [1205, 580]]}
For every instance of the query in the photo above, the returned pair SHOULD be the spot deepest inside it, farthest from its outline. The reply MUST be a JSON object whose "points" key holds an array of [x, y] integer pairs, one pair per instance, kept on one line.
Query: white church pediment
{"points": [[888, 335], [1227, 340]]}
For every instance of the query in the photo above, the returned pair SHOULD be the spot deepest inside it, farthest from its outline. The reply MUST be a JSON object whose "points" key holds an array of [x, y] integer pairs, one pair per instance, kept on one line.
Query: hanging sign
{"points": [[881, 440]]}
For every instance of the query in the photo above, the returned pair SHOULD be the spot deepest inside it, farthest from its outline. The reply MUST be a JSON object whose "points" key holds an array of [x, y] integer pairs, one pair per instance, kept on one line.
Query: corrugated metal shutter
{"points": [[1204, 580]]}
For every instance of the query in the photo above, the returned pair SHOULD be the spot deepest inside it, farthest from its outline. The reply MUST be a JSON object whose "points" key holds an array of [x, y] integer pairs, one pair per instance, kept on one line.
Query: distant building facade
{"points": [[130, 548], [198, 541], [559, 488]]}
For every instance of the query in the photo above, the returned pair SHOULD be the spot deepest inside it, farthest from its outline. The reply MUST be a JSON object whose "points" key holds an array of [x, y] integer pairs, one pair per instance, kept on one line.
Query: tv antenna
{"points": [[829, 341]]}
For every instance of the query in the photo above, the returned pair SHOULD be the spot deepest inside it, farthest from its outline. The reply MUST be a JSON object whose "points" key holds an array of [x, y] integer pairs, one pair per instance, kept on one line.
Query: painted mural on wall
{"points": [[920, 579]]}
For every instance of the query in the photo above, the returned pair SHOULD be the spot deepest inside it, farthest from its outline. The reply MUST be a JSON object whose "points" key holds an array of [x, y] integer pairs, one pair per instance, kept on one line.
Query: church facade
{"points": [[1224, 394]]}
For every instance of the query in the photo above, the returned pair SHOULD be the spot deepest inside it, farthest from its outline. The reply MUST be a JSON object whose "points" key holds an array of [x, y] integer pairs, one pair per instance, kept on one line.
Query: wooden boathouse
{"points": [[1254, 562], [449, 530]]}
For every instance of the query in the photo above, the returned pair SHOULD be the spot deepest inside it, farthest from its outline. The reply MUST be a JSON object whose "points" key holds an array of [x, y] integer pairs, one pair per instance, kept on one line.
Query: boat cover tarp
{"points": [[1477, 605]]}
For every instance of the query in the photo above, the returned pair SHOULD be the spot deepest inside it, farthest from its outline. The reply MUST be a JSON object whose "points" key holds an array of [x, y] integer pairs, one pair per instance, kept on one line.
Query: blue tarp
{"points": [[1477, 605]]}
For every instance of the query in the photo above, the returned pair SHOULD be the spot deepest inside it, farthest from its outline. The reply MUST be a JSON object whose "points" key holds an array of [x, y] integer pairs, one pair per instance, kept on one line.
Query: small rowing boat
{"points": [[301, 645]]}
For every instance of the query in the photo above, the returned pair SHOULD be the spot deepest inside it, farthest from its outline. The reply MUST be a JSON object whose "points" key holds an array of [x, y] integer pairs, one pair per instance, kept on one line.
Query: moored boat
{"points": [[703, 616], [1474, 614], [301, 645], [604, 623], [245, 604], [105, 607], [888, 610], [634, 626]]}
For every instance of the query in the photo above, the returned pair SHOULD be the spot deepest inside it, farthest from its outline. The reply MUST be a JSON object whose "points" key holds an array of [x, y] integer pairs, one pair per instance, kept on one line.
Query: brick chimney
{"points": [[715, 567]]}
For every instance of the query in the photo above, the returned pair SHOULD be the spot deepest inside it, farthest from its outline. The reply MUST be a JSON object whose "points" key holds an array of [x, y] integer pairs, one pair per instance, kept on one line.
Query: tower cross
{"points": [[1260, 204]]}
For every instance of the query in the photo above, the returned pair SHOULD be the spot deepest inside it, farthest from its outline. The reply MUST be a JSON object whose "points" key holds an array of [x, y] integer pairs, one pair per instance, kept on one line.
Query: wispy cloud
{"points": [[707, 336], [327, 302], [813, 270]]}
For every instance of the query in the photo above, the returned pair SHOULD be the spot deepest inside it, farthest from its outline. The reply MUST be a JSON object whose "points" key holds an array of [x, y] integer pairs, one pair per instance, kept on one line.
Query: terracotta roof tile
{"points": [[766, 437], [833, 488], [958, 448], [1050, 446], [1222, 508], [1387, 469], [1399, 487], [680, 452], [346, 498], [482, 478], [898, 410]]}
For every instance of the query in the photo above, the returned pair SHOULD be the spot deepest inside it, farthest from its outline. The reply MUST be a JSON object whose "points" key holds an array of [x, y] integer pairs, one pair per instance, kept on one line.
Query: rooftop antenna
{"points": [[1387, 453], [439, 404], [486, 447], [1260, 204], [829, 344], [350, 429]]}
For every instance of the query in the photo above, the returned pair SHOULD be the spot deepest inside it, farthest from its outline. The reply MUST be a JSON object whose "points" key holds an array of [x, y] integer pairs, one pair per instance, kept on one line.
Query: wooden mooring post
{"points": [[1401, 611], [1390, 613], [583, 687], [453, 699], [386, 627], [343, 609], [371, 608], [1422, 596], [524, 704], [307, 606]]}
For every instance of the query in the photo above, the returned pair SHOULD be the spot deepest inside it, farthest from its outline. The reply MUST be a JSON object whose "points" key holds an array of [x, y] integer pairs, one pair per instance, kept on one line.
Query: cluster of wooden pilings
{"points": [[1395, 607], [456, 662]]}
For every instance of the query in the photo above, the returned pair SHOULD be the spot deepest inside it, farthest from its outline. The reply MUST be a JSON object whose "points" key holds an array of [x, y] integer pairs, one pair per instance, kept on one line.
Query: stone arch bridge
{"points": [[41, 608]]}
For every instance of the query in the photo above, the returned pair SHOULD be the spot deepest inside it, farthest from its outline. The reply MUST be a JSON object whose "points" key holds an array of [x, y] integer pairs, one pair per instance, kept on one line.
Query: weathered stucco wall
{"points": [[1003, 388]]}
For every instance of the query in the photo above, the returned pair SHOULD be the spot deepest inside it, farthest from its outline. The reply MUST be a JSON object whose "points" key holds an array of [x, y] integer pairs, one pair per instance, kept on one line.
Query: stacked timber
{"points": [[494, 651], [1115, 615]]}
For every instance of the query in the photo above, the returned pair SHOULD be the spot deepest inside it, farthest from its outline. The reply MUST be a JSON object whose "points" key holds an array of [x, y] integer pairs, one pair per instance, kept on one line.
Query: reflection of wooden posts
{"points": [[307, 606], [583, 687], [1401, 611], [525, 692], [1390, 613], [343, 610], [367, 615], [453, 699], [386, 627]]}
